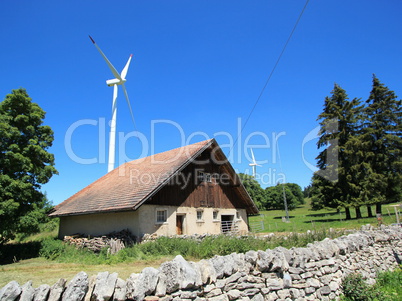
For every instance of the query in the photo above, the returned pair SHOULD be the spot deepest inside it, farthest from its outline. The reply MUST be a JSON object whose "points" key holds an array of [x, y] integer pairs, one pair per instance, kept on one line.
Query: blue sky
{"points": [[198, 68]]}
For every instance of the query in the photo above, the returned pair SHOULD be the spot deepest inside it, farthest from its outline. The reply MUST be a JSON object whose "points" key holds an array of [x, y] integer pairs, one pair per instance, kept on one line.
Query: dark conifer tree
{"points": [[339, 122], [382, 144]]}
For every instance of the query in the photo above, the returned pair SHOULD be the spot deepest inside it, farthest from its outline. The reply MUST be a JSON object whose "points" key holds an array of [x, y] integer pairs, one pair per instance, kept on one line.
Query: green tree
{"points": [[254, 190], [307, 190], [339, 122], [297, 192], [25, 164], [275, 198], [382, 144]]}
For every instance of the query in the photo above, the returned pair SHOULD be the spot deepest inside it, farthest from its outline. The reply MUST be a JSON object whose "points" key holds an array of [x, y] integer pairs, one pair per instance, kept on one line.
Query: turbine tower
{"points": [[253, 164], [119, 79]]}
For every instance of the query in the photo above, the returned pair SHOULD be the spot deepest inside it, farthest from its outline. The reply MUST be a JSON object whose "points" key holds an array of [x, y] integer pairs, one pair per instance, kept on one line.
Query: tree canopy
{"points": [[25, 163], [272, 197], [366, 142]]}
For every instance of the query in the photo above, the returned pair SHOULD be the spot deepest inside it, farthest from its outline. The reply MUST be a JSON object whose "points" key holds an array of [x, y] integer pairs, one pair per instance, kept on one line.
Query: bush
{"points": [[390, 283], [51, 248], [14, 252], [356, 289]]}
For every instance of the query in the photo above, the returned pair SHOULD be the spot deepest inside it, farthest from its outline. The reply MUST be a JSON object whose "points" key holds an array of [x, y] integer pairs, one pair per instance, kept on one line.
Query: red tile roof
{"points": [[130, 185]]}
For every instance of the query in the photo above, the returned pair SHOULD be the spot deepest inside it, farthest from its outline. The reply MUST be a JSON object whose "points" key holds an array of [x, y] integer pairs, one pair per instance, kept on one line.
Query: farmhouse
{"points": [[189, 190]]}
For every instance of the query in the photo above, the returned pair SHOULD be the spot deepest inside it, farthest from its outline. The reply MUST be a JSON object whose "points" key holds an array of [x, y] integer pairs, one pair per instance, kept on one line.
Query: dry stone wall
{"points": [[311, 273]]}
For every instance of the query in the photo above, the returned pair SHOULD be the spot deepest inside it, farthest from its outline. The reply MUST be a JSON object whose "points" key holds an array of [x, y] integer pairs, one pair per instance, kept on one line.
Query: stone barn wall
{"points": [[311, 273]]}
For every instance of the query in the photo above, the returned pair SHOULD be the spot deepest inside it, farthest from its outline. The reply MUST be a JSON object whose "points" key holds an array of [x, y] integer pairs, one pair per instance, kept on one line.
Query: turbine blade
{"points": [[129, 106], [125, 69], [252, 155], [111, 67]]}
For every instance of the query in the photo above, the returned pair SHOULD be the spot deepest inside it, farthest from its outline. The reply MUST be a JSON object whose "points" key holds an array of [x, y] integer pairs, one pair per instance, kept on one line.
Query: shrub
{"points": [[51, 248], [356, 289], [390, 283]]}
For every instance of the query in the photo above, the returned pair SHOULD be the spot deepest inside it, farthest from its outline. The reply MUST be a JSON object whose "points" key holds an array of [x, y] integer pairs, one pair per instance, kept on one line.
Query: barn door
{"points": [[179, 224]]}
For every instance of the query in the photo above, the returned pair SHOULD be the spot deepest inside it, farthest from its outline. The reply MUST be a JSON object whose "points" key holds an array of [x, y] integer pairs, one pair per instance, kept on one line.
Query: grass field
{"points": [[303, 219], [45, 271]]}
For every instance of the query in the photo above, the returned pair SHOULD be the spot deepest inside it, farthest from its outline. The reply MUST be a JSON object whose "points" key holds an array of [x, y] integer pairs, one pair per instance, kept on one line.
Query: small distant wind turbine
{"points": [[119, 79], [253, 164]]}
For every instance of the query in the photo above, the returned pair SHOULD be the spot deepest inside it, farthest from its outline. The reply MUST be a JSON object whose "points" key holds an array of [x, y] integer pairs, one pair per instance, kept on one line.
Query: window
{"points": [[201, 176], [215, 215], [199, 215], [161, 216], [204, 177], [237, 215]]}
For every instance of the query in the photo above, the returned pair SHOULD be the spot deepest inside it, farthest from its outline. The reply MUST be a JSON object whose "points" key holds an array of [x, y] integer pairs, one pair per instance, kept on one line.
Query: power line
{"points": [[272, 72]]}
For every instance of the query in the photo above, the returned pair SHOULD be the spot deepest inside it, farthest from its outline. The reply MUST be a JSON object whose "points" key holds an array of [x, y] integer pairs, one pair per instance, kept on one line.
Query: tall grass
{"points": [[170, 246]]}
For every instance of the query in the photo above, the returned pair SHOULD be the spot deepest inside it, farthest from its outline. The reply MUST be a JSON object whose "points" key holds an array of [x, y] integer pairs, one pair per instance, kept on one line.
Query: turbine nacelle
{"points": [[115, 81]]}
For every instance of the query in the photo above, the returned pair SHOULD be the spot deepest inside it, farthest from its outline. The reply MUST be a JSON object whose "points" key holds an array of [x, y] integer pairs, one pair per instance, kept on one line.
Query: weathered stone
{"points": [[287, 280], [10, 292], [325, 290], [57, 290], [294, 293], [219, 298], [181, 274], [233, 278], [251, 291], [160, 290], [326, 279], [233, 294], [223, 265], [241, 264], [28, 292], [299, 285], [76, 288], [258, 297], [334, 286], [274, 284], [209, 288], [188, 295], [293, 270], [91, 286], [42, 292], [130, 286], [251, 257], [214, 292], [151, 298], [119, 290], [272, 296], [279, 262], [207, 270], [312, 282], [244, 285], [143, 284], [104, 286], [264, 260], [283, 294], [309, 290], [306, 275], [252, 279], [220, 283]]}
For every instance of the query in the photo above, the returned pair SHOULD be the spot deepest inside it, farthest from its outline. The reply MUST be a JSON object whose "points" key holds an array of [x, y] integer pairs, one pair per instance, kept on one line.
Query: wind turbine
{"points": [[120, 79], [253, 164]]}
